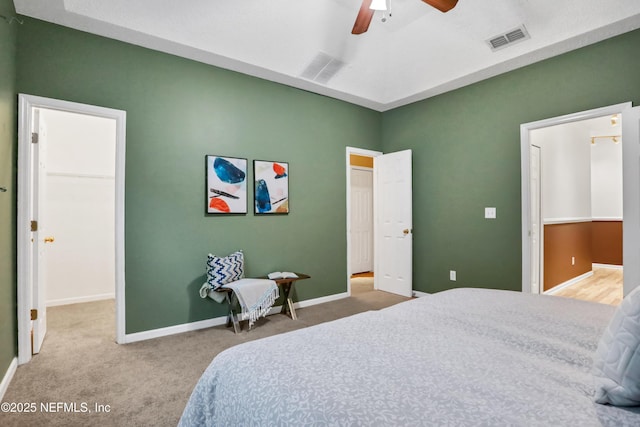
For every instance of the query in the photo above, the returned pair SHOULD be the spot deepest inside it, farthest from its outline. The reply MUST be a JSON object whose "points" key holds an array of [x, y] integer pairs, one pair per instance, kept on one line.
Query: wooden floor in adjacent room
{"points": [[605, 286]]}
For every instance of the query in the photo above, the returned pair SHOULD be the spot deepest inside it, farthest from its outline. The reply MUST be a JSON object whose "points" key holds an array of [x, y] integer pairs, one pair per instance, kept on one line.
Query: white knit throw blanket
{"points": [[256, 297]]}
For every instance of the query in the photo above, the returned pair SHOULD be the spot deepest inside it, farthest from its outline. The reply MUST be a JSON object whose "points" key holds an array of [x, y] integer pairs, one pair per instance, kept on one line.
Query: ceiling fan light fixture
{"points": [[369, 7], [379, 5], [442, 5]]}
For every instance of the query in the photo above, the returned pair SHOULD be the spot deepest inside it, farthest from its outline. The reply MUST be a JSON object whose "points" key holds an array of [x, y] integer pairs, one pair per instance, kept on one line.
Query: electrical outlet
{"points": [[573, 260], [452, 275], [490, 213]]}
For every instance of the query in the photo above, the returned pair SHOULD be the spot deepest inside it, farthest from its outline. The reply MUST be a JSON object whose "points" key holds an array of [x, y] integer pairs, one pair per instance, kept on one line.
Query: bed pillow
{"points": [[223, 270], [616, 365]]}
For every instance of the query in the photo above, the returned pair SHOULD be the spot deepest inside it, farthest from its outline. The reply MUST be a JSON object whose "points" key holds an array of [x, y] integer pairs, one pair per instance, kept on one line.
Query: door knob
{"points": [[49, 239], [406, 231]]}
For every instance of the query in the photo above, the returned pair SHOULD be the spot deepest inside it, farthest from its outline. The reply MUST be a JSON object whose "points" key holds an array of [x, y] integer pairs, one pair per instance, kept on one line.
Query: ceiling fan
{"points": [[366, 12]]}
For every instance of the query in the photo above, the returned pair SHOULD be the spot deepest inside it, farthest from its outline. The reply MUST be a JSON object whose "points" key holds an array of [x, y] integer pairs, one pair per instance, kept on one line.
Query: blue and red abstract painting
{"points": [[226, 185], [271, 187]]}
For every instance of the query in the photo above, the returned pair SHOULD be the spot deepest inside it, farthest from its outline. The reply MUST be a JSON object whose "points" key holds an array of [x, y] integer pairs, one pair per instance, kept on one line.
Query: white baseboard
{"points": [[217, 321], [76, 300], [8, 376], [321, 300], [611, 266], [568, 283], [419, 294], [310, 302], [172, 330]]}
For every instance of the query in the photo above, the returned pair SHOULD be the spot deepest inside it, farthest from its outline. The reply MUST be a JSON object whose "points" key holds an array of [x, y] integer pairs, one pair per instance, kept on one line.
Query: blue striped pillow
{"points": [[223, 270]]}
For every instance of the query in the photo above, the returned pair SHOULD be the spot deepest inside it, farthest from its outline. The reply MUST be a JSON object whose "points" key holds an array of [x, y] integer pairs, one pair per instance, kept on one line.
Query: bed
{"points": [[458, 357]]}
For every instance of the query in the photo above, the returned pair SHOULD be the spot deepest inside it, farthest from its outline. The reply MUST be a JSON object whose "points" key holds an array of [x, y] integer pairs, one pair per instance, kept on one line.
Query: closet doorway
{"points": [[78, 207], [70, 212]]}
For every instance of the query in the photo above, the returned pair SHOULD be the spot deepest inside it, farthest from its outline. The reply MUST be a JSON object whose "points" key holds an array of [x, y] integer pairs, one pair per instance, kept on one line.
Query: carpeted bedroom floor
{"points": [[141, 384]]}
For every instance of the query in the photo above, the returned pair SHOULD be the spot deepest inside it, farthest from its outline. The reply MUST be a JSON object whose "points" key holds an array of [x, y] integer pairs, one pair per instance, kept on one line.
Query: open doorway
{"points": [[392, 220], [362, 279], [360, 220], [580, 214], [70, 213], [578, 182], [78, 207]]}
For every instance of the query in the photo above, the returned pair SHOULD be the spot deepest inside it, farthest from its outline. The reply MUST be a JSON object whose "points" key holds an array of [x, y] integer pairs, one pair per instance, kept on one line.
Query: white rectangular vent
{"points": [[322, 68], [510, 37]]}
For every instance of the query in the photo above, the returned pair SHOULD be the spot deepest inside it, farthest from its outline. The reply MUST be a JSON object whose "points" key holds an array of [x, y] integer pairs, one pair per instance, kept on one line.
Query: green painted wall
{"points": [[178, 111], [8, 123], [466, 147], [466, 156]]}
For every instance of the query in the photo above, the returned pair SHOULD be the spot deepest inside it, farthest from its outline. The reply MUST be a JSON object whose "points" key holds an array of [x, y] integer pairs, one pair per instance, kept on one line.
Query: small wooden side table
{"points": [[232, 316], [287, 307], [287, 285]]}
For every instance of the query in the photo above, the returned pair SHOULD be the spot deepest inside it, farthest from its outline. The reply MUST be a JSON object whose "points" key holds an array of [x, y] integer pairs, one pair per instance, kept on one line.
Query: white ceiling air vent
{"points": [[322, 68], [510, 37]]}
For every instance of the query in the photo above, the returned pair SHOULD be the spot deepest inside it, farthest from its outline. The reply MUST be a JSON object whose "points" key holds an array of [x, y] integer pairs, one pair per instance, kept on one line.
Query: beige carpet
{"points": [[361, 285], [142, 384]]}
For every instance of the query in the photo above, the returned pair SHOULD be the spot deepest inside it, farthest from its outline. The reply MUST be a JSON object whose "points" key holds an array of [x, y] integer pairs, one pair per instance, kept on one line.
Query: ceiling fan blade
{"points": [[364, 18], [442, 5]]}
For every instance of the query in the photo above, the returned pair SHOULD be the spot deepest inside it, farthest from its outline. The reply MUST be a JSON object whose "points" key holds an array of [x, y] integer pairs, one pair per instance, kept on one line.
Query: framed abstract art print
{"points": [[271, 187], [226, 185]]}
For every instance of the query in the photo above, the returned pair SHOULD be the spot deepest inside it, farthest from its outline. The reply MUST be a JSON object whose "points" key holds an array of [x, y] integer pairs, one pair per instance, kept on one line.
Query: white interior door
{"points": [[536, 228], [40, 238], [631, 203], [393, 223], [361, 220]]}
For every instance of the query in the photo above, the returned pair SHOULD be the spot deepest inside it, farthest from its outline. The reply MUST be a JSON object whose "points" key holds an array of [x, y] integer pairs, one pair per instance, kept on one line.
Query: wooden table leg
{"points": [[231, 317], [292, 310], [287, 306]]}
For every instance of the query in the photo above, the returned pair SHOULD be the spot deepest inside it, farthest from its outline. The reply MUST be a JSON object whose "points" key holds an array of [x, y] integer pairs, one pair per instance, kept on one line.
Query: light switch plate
{"points": [[490, 213]]}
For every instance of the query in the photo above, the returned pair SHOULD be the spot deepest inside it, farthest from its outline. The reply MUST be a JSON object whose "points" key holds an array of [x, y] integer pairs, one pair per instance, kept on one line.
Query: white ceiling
{"points": [[419, 52]]}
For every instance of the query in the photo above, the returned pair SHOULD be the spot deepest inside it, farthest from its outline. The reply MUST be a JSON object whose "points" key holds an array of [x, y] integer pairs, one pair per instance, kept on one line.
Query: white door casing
{"points": [[631, 198], [536, 226], [361, 220], [25, 259], [393, 223]]}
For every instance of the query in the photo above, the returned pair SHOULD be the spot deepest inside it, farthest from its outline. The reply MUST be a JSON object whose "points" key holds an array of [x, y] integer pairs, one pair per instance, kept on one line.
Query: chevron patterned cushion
{"points": [[223, 270]]}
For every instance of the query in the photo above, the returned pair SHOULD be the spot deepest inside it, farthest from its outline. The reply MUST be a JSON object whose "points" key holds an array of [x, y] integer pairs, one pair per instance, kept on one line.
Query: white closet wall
{"points": [[80, 197]]}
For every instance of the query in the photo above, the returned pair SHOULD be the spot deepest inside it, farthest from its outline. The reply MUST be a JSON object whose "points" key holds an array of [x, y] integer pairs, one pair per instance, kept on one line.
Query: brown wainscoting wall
{"points": [[561, 242], [606, 245], [597, 242]]}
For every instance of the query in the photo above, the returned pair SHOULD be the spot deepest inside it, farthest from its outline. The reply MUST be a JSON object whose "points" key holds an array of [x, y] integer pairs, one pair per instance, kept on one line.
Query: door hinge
{"points": [[34, 137], [34, 225], [34, 314]]}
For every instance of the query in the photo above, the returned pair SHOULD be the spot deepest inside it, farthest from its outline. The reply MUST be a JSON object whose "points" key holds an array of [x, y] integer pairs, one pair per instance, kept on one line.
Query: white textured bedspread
{"points": [[464, 357]]}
